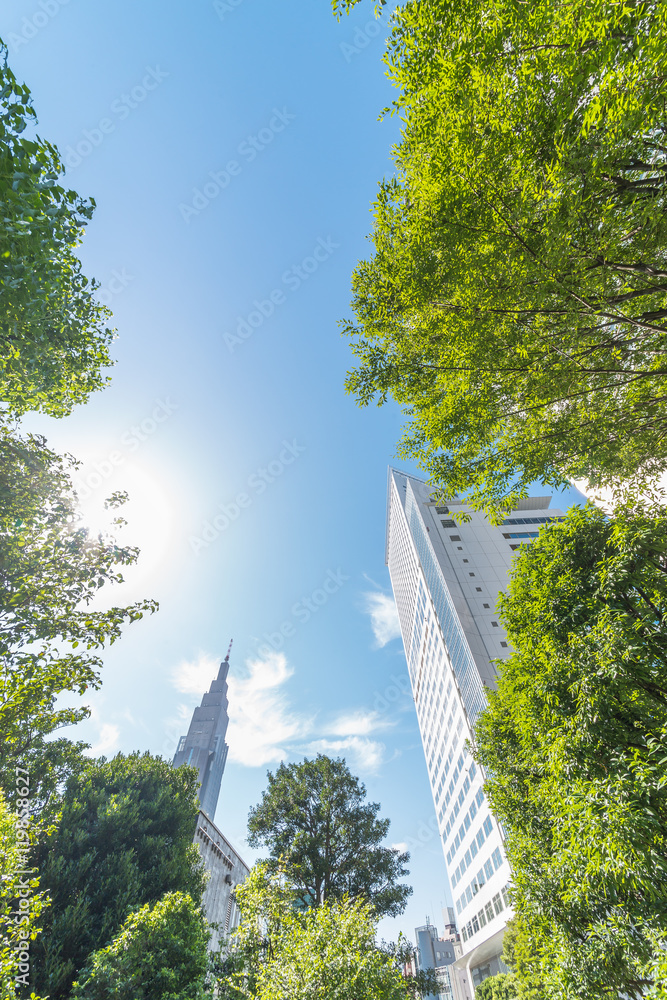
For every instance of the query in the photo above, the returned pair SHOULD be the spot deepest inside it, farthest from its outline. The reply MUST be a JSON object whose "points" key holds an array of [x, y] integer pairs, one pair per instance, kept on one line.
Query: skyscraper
{"points": [[446, 577], [204, 746]]}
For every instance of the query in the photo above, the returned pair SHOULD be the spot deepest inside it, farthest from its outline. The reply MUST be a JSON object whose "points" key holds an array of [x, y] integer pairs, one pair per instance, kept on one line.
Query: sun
{"points": [[147, 517]]}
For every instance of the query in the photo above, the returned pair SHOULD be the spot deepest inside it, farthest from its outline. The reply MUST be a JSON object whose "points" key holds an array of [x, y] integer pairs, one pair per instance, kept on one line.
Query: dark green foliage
{"points": [[313, 816], [516, 300], [159, 954], [575, 743], [53, 335], [124, 839], [50, 570]]}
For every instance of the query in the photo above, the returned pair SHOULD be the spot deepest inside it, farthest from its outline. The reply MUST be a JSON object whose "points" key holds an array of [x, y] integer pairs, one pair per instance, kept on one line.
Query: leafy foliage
{"points": [[50, 570], [575, 743], [264, 899], [329, 951], [345, 6], [159, 954], [315, 822], [19, 921], [516, 300], [501, 987], [53, 335], [124, 839], [282, 950]]}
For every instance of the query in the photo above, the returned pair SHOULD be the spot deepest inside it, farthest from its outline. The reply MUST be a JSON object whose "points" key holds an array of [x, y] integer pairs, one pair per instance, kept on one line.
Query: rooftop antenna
{"points": [[229, 651]]}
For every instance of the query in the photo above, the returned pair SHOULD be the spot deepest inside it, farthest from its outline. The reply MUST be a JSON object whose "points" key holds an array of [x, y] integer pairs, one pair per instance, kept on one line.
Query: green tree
{"points": [[516, 300], [51, 568], [329, 951], [265, 899], [53, 335], [21, 903], [283, 950], [314, 820], [574, 742], [124, 838], [501, 987], [159, 954]]}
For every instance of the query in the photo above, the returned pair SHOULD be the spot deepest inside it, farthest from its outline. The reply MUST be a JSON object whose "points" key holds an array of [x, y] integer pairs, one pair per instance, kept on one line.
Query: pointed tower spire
{"points": [[229, 650], [204, 746]]}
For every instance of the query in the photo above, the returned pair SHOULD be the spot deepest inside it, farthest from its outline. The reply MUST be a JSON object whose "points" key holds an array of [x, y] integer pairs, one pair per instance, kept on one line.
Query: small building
{"points": [[439, 954]]}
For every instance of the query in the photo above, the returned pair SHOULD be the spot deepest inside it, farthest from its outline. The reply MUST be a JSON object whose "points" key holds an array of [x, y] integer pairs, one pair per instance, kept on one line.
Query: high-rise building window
{"points": [[448, 649]]}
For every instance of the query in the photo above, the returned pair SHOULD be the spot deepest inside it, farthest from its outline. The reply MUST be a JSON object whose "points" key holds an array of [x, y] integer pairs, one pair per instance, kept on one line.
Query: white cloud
{"points": [[358, 723], [400, 846], [367, 755], [384, 616], [107, 740], [262, 728], [108, 735], [194, 677]]}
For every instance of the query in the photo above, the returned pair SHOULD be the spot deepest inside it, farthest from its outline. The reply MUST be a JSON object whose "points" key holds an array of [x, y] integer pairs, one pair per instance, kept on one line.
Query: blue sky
{"points": [[233, 149]]}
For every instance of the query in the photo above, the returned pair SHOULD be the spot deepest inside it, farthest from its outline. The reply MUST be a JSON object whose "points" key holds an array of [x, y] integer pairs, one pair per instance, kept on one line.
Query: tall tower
{"points": [[446, 577], [204, 746]]}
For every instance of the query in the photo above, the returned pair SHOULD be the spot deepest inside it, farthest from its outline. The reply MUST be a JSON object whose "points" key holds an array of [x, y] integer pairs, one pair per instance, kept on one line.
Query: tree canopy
{"points": [[516, 300], [285, 951], [53, 347], [124, 838], [159, 954], [500, 987], [51, 568], [314, 820], [53, 336], [574, 742]]}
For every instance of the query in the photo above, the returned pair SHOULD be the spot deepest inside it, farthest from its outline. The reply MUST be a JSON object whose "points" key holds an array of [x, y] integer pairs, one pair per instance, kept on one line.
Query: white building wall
{"points": [[446, 578], [225, 870]]}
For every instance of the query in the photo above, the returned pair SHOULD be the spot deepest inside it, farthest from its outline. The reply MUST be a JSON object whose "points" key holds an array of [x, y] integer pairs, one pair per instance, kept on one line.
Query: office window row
{"points": [[476, 803], [480, 879], [484, 916], [465, 826], [465, 787], [471, 853]]}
